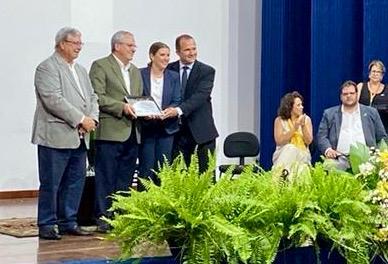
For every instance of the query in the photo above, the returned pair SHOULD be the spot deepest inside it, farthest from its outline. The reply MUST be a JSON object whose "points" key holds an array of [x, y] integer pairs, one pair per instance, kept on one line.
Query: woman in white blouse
{"points": [[158, 131]]}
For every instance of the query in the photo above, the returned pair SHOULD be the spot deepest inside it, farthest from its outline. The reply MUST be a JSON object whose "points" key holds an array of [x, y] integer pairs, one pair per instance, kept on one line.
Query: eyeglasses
{"points": [[76, 43], [378, 72], [129, 45], [346, 94]]}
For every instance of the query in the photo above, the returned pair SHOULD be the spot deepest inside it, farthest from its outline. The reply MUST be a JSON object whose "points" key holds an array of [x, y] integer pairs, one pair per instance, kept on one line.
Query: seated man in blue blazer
{"points": [[348, 123]]}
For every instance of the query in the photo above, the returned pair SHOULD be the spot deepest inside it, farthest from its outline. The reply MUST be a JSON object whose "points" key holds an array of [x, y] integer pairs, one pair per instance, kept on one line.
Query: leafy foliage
{"points": [[372, 171], [245, 219], [359, 153], [341, 214]]}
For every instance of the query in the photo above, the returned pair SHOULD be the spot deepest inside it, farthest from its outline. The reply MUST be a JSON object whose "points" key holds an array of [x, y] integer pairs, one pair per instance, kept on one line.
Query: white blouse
{"points": [[157, 90]]}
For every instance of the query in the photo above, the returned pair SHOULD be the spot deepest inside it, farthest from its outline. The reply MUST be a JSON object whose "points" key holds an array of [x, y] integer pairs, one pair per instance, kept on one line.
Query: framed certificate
{"points": [[144, 105]]}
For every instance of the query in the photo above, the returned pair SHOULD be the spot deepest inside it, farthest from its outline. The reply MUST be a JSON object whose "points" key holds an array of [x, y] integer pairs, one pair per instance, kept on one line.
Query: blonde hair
{"points": [[377, 63]]}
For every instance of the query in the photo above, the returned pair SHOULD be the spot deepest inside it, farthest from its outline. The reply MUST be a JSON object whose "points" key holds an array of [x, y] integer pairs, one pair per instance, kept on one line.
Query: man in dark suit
{"points": [[197, 131], [66, 111], [117, 137], [348, 123]]}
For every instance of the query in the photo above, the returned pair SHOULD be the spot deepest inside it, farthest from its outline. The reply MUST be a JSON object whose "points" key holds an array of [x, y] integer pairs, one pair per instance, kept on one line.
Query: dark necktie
{"points": [[184, 80]]}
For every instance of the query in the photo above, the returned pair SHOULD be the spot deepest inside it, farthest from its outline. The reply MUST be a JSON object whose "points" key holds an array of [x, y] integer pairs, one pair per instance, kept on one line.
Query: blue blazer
{"points": [[330, 126], [171, 95]]}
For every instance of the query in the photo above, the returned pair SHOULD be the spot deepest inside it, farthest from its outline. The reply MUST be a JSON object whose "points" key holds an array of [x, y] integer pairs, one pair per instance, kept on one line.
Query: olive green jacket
{"points": [[109, 85]]}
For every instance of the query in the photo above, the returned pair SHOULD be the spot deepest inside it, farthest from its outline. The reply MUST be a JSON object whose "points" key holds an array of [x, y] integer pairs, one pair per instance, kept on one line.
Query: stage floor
{"points": [[33, 250]]}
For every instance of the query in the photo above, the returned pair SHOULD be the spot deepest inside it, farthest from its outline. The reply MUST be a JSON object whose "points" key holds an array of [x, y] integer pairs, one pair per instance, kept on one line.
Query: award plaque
{"points": [[144, 105]]}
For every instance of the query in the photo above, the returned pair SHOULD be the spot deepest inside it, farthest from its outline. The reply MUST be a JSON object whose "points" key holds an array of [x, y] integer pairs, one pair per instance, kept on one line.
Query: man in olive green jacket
{"points": [[118, 134]]}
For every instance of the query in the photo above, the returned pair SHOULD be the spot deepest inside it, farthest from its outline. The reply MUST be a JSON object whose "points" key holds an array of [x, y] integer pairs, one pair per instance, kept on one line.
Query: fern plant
{"points": [[245, 219], [244, 203], [344, 216], [180, 209], [212, 222]]}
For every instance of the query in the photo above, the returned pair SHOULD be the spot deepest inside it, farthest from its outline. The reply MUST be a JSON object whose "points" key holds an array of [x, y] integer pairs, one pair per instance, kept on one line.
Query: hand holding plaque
{"points": [[144, 106]]}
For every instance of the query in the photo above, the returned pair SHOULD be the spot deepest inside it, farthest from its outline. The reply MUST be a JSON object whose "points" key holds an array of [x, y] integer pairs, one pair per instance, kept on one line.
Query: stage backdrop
{"points": [[312, 47]]}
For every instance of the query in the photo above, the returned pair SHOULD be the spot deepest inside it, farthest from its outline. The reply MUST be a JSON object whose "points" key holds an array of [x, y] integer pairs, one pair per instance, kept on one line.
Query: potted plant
{"points": [[209, 222], [321, 211], [178, 211], [370, 166], [248, 219]]}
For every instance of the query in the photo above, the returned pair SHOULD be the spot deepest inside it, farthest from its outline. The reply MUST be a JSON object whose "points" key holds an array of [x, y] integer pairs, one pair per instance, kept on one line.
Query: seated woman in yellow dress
{"points": [[293, 132]]}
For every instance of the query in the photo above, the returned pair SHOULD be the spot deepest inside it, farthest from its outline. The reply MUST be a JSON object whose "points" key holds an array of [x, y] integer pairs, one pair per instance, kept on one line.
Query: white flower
{"points": [[366, 168], [383, 173]]}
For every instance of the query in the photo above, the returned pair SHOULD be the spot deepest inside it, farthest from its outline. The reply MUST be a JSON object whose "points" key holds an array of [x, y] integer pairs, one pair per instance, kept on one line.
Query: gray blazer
{"points": [[330, 126], [60, 105]]}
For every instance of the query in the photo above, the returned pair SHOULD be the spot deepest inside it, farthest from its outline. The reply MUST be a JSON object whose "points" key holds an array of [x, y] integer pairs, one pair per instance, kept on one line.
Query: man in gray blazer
{"points": [[66, 111], [343, 125]]}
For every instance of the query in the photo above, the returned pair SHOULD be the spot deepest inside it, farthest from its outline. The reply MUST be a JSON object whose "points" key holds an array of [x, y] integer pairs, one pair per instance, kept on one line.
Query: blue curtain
{"points": [[375, 27], [312, 47]]}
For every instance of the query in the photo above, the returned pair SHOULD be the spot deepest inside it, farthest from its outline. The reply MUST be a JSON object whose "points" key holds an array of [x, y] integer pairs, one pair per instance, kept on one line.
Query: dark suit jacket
{"points": [[171, 96], [330, 126], [109, 85], [196, 104]]}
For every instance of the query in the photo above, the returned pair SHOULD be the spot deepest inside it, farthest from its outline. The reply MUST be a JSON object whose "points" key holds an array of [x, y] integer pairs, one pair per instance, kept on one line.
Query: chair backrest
{"points": [[241, 144]]}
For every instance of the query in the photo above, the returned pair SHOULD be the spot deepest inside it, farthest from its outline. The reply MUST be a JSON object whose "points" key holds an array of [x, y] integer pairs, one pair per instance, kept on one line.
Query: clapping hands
{"points": [[300, 121]]}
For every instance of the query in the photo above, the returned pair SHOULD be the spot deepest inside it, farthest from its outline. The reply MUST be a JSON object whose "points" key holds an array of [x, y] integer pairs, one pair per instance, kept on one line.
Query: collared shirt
{"points": [[76, 78], [351, 130], [190, 67], [125, 73], [157, 90]]}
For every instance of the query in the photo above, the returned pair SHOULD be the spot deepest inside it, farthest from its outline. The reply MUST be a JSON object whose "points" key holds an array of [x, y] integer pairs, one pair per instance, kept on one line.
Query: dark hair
{"points": [[347, 84], [286, 104], [178, 40], [155, 47]]}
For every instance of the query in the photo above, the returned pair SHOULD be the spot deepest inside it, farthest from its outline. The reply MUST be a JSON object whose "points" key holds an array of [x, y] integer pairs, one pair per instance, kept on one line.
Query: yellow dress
{"points": [[293, 152]]}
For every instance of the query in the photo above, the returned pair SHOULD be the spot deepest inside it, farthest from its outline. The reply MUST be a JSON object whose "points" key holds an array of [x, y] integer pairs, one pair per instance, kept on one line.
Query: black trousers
{"points": [[184, 143]]}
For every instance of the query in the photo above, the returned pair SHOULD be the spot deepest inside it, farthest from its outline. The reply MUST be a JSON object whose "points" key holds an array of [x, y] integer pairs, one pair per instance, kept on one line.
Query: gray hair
{"points": [[118, 37], [378, 64], [63, 33]]}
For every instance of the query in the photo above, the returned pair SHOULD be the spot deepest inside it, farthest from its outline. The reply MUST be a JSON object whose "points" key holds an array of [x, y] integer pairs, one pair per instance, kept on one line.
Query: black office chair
{"points": [[241, 145]]}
